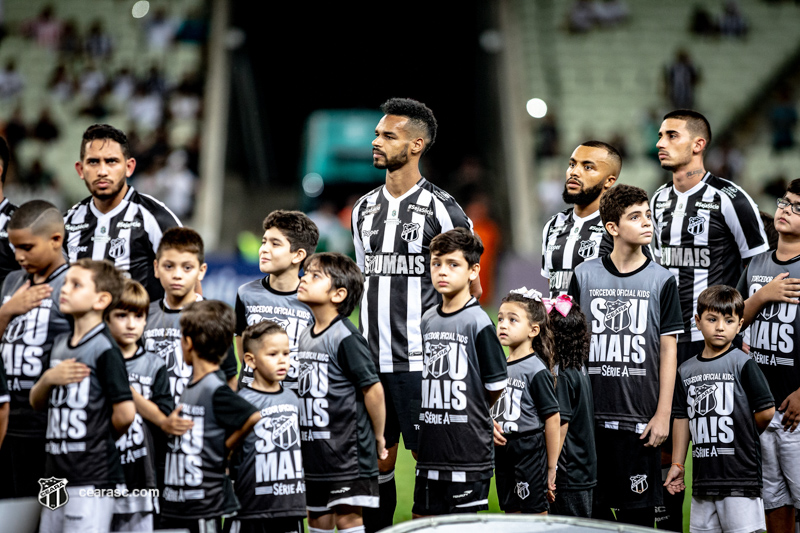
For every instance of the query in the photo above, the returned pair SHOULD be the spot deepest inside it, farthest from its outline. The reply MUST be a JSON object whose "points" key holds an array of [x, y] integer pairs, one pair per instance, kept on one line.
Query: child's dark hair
{"points": [[299, 230], [537, 314], [210, 325], [106, 278], [619, 198], [134, 298], [458, 240], [571, 337], [721, 299], [344, 274], [182, 240], [254, 333]]}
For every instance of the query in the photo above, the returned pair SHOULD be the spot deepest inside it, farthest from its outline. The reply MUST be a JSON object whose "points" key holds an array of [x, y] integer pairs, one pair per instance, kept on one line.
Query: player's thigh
{"points": [[403, 392], [741, 515], [775, 490], [789, 461]]}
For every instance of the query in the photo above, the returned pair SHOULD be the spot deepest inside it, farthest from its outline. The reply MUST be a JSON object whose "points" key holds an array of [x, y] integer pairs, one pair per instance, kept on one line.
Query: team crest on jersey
{"points": [[410, 232], [771, 310], [523, 490], [438, 363], [639, 483], [15, 329], [53, 492], [284, 431], [254, 319], [697, 225], [499, 406], [704, 398], [116, 248], [304, 378], [587, 249], [618, 315]]}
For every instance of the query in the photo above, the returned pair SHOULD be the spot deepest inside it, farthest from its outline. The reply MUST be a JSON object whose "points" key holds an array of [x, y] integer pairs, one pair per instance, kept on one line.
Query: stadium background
{"points": [[236, 108]]}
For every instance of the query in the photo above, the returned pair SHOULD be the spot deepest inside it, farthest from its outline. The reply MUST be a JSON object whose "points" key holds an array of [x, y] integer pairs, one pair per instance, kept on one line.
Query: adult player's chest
{"points": [[692, 219], [398, 227]]}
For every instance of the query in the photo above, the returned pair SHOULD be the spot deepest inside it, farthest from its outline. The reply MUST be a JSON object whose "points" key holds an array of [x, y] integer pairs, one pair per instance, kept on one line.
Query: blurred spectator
{"points": [[681, 78], [155, 82], [611, 13], [619, 142], [37, 177], [11, 81], [123, 85], [776, 187], [45, 128], [478, 211], [160, 30], [468, 179], [582, 17], [45, 29], [96, 108], [547, 137], [99, 45], [650, 127], [91, 81], [725, 160], [61, 84], [70, 45], [185, 102], [702, 23], [176, 184], [732, 22], [15, 130], [333, 237], [146, 108], [783, 121]]}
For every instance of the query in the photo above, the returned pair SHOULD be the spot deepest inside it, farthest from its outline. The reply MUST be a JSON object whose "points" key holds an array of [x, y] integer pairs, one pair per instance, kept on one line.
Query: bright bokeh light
{"points": [[140, 9], [536, 107], [313, 184]]}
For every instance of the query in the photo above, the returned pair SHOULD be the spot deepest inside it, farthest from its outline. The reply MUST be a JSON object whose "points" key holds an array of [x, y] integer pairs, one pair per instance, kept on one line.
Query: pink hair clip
{"points": [[562, 304]]}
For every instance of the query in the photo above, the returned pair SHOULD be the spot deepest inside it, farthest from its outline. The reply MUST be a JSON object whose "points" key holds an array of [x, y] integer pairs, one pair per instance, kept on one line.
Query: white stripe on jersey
{"points": [[123, 262], [414, 312], [385, 359], [74, 237]]}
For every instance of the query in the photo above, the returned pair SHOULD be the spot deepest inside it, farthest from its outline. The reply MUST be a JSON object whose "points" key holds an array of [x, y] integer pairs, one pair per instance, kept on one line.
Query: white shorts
{"points": [[729, 514], [780, 464], [79, 515]]}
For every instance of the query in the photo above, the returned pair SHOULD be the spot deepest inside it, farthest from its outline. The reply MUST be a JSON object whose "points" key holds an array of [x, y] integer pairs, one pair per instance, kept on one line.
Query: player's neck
{"points": [[400, 181], [42, 276], [711, 352], [128, 350], [176, 302], [788, 247], [84, 324], [689, 176], [324, 315], [202, 367], [104, 206], [584, 211], [627, 257], [264, 385], [456, 302], [286, 281], [521, 350]]}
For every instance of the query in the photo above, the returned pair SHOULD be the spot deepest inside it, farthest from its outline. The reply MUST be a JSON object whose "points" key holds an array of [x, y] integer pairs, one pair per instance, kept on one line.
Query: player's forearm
{"points": [[40, 391], [668, 363], [238, 435], [562, 435], [552, 439], [752, 306], [763, 418], [149, 410], [122, 415], [680, 439], [376, 406]]}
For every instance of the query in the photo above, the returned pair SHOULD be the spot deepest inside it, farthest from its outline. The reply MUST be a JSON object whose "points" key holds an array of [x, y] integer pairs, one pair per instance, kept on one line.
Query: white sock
{"points": [[319, 530], [357, 529]]}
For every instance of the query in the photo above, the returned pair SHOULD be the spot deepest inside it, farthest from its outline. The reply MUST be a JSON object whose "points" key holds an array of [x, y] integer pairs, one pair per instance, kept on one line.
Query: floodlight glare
{"points": [[536, 107]]}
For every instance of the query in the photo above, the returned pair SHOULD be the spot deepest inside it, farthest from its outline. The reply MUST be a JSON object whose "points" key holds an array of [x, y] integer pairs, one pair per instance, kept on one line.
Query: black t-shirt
{"points": [[528, 399], [577, 464], [4, 396]]}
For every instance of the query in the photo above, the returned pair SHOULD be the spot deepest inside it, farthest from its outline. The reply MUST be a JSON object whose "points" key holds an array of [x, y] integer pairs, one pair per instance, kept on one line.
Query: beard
{"points": [[395, 162], [109, 193], [584, 196]]}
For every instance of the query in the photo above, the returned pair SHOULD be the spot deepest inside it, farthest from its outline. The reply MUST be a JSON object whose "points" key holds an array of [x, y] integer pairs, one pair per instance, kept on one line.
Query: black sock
{"points": [[383, 517], [673, 503]]}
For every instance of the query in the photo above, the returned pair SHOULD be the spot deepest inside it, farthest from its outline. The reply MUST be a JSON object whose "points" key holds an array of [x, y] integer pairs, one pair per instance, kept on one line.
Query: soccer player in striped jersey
{"points": [[116, 222], [705, 228], [392, 228], [8, 263]]}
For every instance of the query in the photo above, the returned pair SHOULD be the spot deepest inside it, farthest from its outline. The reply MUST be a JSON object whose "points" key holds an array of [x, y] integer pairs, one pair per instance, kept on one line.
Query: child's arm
{"points": [[758, 394], [238, 436], [376, 407], [552, 439], [658, 427], [66, 372], [763, 418], [23, 300], [680, 444], [781, 289], [122, 415]]}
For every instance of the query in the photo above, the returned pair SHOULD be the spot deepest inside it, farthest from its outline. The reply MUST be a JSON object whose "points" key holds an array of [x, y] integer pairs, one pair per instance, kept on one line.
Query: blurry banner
{"points": [[224, 276]]}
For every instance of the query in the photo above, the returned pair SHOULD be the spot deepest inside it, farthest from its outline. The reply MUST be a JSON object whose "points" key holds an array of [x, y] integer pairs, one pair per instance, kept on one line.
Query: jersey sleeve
{"points": [[756, 387], [545, 232], [491, 359], [356, 361], [544, 394], [160, 393], [241, 316], [565, 392], [680, 409], [741, 216], [671, 317], [656, 241], [231, 410], [450, 215], [741, 286], [113, 376], [229, 365], [358, 245], [5, 397], [157, 219]]}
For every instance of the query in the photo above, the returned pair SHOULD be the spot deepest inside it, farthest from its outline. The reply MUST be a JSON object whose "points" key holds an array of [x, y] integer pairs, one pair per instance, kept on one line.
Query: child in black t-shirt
{"points": [[4, 403]]}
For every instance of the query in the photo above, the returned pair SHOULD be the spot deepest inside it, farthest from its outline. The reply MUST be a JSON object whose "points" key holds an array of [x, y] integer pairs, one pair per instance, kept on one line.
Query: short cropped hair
{"points": [[105, 132], [613, 153], [299, 230], [5, 158], [721, 299], [458, 240], [619, 198], [106, 277], [344, 274], [794, 187], [210, 325], [253, 334], [419, 116], [182, 239], [41, 217], [696, 123], [134, 298]]}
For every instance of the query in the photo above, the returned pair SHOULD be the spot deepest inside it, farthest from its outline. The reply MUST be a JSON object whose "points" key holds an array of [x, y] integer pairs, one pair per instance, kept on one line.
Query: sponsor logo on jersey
{"points": [[663, 205], [367, 233], [75, 250], [443, 196], [598, 228], [522, 490], [730, 190], [394, 265], [420, 209], [639, 483], [116, 248], [553, 247], [707, 205], [76, 227], [587, 249], [697, 225], [371, 210], [410, 232], [53, 492], [127, 225]]}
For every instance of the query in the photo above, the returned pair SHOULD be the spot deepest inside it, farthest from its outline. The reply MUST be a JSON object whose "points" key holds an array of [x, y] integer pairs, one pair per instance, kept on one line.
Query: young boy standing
{"points": [[463, 375], [633, 311], [771, 284], [147, 375], [269, 482], [30, 319], [722, 403], [198, 493], [89, 403], [342, 410], [289, 238]]}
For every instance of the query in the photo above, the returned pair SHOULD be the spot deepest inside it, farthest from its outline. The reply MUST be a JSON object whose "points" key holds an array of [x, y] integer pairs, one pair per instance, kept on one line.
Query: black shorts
{"points": [[323, 496], [403, 393], [22, 463], [434, 497], [263, 525], [521, 474], [628, 472]]}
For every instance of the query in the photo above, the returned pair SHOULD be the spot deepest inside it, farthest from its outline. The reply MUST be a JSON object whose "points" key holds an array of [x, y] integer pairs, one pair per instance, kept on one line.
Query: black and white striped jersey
{"points": [[8, 263], [392, 238], [128, 235], [702, 236]]}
